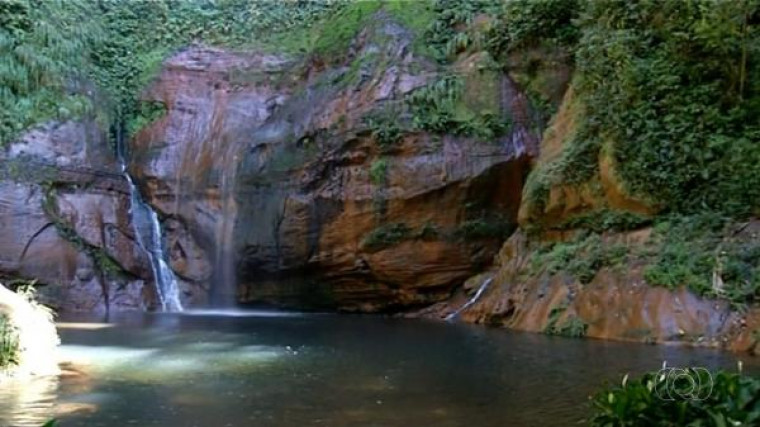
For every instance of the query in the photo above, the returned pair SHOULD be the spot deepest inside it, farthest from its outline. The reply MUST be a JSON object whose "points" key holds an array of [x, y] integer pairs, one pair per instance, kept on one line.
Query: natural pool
{"points": [[276, 369]]}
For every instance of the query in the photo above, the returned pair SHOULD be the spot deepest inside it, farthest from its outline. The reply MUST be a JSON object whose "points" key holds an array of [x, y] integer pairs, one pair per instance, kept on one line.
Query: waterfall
{"points": [[472, 300], [149, 237]]}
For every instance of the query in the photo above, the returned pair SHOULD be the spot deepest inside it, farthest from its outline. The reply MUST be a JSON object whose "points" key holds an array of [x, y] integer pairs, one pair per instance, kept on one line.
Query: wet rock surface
{"points": [[64, 221], [268, 164]]}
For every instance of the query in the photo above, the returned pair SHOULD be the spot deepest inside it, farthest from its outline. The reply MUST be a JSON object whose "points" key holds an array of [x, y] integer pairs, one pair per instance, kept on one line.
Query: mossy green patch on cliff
{"points": [[582, 257], [145, 114], [441, 107], [571, 326], [386, 129], [711, 255], [385, 236], [603, 220]]}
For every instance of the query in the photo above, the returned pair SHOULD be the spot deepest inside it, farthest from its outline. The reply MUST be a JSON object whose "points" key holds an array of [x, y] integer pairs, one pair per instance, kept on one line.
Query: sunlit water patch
{"points": [[243, 313]]}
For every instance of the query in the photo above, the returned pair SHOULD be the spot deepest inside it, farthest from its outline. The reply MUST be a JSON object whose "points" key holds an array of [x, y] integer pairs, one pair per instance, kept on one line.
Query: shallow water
{"points": [[283, 369]]}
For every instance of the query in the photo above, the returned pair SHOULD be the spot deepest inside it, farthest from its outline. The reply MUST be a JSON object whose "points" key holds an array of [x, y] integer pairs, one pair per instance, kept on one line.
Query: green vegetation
{"points": [[428, 232], [378, 172], [9, 351], [581, 257], [680, 110], [44, 46], [386, 130], [385, 236], [454, 29], [571, 327], [669, 88], [707, 253], [712, 255], [606, 219], [56, 50], [439, 107], [145, 113], [522, 24], [722, 399]]}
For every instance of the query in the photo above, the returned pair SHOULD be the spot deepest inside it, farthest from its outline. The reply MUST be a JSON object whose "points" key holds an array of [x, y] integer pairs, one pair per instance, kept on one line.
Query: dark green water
{"points": [[319, 370]]}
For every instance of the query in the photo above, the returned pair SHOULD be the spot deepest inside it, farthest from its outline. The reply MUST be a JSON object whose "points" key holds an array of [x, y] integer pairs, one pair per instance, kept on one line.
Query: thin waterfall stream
{"points": [[149, 237], [472, 300]]}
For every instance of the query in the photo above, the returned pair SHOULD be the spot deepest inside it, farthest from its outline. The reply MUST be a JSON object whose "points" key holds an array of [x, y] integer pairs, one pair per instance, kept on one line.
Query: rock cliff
{"points": [[280, 171]]}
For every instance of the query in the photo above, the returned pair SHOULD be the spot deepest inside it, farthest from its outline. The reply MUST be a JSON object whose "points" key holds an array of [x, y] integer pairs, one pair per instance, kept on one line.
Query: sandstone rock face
{"points": [[617, 304], [64, 221], [270, 165]]}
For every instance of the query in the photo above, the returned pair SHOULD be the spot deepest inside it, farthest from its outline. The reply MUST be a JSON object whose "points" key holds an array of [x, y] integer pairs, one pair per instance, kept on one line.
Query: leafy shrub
{"points": [[8, 344], [378, 172], [437, 108], [582, 257], [673, 86], [451, 32], [732, 401], [386, 236], [44, 47], [385, 130], [702, 253], [572, 327], [433, 106], [522, 23]]}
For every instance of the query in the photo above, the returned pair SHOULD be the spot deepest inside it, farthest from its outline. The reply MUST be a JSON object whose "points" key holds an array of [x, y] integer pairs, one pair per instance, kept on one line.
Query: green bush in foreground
{"points": [[691, 397]]}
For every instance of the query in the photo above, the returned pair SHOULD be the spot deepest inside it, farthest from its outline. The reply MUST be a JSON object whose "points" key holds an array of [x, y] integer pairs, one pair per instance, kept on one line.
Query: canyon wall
{"points": [[466, 157], [274, 165]]}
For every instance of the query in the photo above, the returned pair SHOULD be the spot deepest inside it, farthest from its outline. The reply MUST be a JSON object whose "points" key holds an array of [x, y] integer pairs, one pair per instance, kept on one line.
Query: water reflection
{"points": [[28, 401]]}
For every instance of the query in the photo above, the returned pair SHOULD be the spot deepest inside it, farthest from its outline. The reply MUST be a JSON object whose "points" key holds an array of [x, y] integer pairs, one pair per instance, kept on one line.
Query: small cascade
{"points": [[149, 238], [472, 300]]}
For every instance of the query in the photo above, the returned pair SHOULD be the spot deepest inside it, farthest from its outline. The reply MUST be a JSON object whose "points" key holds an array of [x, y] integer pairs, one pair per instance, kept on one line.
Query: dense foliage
{"points": [[43, 46], [54, 50], [674, 86], [710, 254], [717, 399], [669, 89]]}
